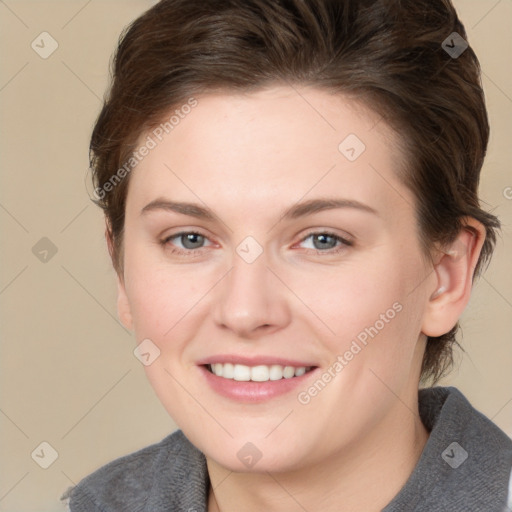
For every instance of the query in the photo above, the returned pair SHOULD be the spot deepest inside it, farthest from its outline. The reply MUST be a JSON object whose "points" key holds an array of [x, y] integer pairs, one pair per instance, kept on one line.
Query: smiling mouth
{"points": [[260, 373]]}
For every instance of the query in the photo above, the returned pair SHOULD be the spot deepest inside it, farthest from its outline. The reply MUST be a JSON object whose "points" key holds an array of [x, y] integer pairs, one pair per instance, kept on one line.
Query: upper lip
{"points": [[254, 360]]}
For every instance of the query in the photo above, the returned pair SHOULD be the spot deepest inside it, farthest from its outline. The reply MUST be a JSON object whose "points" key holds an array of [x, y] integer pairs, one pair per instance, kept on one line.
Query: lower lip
{"points": [[253, 392]]}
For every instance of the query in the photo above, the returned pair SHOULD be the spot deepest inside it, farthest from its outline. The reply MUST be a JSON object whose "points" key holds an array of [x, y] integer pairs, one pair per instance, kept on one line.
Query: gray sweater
{"points": [[465, 467]]}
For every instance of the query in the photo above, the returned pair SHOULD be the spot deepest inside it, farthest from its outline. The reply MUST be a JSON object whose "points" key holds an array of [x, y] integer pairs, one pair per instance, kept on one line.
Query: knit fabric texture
{"points": [[465, 466]]}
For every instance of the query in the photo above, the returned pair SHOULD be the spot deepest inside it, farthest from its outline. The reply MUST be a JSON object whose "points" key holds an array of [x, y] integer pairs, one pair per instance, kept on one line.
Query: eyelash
{"points": [[344, 243], [183, 252]]}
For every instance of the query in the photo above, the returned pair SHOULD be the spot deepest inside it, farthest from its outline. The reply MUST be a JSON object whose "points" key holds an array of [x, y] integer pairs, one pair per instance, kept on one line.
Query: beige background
{"points": [[68, 373]]}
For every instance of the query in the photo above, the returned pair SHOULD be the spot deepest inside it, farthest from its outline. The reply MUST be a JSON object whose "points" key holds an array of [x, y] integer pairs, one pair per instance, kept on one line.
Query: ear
{"points": [[123, 305], [454, 279]]}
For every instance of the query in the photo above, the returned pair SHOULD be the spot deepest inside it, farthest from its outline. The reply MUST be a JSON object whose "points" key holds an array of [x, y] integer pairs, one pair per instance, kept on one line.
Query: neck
{"points": [[362, 478]]}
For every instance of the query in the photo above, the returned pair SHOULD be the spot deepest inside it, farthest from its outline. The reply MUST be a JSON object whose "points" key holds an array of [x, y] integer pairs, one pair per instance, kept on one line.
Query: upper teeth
{"points": [[259, 373]]}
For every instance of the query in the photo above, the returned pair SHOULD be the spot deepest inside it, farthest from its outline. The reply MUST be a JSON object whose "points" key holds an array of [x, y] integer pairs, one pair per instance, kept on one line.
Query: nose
{"points": [[251, 300]]}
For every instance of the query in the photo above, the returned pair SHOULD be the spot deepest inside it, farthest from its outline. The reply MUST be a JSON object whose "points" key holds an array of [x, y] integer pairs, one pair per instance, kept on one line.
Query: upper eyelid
{"points": [[326, 232], [344, 241], [345, 237], [181, 233], [187, 232]]}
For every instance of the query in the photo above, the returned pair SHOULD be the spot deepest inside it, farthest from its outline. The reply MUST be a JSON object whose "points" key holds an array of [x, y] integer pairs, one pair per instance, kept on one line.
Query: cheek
{"points": [[166, 300], [159, 301], [353, 297], [166, 308], [373, 317]]}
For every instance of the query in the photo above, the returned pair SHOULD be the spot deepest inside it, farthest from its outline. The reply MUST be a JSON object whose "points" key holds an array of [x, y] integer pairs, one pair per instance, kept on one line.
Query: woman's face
{"points": [[267, 234]]}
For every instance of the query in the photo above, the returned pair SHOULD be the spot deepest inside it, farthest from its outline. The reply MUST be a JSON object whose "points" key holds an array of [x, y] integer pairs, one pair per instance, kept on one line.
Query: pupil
{"points": [[324, 241], [192, 240]]}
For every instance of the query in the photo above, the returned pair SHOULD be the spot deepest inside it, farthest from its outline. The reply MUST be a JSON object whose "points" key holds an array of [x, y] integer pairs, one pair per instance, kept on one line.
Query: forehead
{"points": [[276, 145]]}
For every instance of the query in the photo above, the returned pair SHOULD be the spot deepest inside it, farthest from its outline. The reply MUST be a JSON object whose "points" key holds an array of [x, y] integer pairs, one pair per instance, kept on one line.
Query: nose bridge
{"points": [[250, 296], [246, 277]]}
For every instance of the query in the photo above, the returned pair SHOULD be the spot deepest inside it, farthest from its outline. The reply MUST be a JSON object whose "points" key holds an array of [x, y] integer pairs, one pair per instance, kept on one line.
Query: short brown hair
{"points": [[388, 53]]}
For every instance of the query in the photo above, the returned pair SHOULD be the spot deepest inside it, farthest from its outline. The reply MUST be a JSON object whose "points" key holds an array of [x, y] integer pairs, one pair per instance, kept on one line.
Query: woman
{"points": [[290, 194]]}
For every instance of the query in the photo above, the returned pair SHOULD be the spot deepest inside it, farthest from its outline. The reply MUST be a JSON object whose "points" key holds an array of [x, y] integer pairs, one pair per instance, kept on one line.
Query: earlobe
{"points": [[453, 280]]}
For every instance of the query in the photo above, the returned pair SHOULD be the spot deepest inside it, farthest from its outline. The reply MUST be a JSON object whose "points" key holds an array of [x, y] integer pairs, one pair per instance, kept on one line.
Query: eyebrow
{"points": [[190, 209], [296, 211], [318, 205]]}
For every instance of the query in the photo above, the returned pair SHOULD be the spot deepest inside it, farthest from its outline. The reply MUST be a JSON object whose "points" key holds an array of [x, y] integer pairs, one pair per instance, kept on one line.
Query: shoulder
{"points": [[446, 412], [157, 474], [467, 461]]}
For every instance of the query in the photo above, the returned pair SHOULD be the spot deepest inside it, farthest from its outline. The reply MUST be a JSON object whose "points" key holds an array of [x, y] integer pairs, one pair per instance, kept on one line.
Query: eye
{"points": [[325, 242], [187, 241]]}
